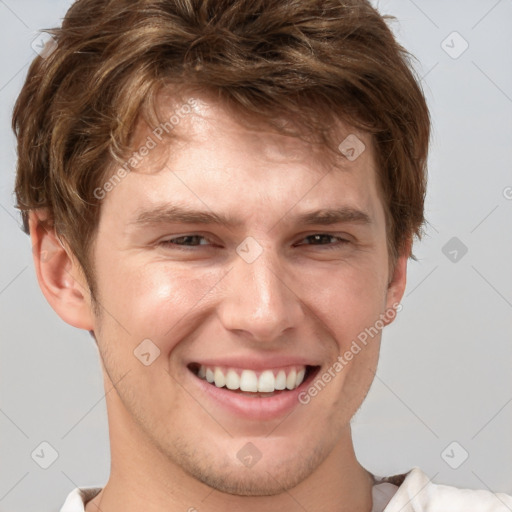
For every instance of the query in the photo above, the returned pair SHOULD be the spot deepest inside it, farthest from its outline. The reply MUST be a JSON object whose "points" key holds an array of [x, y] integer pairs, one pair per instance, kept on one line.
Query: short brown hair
{"points": [[314, 61]]}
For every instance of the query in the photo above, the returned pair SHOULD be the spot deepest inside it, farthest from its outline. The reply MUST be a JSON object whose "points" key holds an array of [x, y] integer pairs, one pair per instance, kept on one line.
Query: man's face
{"points": [[264, 295]]}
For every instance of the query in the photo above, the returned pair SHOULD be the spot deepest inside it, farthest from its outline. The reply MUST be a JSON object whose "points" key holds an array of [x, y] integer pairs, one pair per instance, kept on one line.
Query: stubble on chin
{"points": [[266, 478]]}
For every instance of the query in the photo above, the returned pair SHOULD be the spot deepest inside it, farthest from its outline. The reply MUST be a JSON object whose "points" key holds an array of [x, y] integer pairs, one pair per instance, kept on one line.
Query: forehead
{"points": [[191, 117], [214, 161]]}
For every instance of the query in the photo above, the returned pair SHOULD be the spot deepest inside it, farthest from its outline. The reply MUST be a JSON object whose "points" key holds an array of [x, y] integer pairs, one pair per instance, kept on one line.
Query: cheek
{"points": [[165, 302], [345, 301], [155, 300]]}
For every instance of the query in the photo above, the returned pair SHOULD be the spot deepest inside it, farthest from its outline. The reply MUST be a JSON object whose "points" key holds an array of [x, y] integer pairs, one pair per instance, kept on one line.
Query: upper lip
{"points": [[256, 363]]}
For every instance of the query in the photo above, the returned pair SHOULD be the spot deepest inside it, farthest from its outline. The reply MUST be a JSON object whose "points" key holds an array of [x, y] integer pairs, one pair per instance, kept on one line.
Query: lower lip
{"points": [[254, 408]]}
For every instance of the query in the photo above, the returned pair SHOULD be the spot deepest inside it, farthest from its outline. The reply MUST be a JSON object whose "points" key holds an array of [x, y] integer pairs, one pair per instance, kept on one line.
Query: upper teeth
{"points": [[248, 380]]}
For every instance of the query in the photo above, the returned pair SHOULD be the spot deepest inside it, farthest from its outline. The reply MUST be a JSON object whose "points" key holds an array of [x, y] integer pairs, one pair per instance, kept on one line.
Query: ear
{"points": [[398, 281], [59, 275]]}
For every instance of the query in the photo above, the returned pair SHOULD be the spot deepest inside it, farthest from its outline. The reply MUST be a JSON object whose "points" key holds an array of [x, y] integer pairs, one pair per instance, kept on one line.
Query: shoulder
{"points": [[78, 497], [417, 493]]}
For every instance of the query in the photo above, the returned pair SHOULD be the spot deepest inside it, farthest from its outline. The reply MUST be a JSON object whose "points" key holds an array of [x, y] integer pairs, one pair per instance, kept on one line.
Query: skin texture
{"points": [[172, 449]]}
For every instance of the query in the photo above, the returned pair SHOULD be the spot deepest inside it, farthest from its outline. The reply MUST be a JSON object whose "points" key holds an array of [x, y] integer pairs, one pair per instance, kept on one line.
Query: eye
{"points": [[182, 241], [195, 240], [317, 237]]}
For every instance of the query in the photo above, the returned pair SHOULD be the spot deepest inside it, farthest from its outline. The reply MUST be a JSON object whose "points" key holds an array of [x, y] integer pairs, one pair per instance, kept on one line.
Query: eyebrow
{"points": [[169, 214]]}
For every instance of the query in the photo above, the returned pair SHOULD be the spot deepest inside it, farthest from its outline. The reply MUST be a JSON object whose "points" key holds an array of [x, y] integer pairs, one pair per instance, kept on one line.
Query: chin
{"points": [[269, 476], [250, 482]]}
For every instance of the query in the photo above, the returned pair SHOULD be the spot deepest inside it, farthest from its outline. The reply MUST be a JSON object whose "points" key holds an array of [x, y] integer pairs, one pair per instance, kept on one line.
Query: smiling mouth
{"points": [[256, 384]]}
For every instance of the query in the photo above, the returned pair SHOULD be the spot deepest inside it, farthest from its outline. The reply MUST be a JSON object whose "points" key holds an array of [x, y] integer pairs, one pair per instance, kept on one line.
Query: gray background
{"points": [[444, 374]]}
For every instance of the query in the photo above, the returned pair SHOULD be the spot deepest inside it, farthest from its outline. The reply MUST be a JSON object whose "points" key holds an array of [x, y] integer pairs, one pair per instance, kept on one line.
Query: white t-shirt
{"points": [[408, 492]]}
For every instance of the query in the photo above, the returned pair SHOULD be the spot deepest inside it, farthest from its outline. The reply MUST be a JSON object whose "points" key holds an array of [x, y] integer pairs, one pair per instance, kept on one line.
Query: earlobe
{"points": [[59, 275]]}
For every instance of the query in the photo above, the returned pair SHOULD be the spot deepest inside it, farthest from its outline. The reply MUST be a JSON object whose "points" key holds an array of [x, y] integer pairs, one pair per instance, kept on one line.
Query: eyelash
{"points": [[172, 241]]}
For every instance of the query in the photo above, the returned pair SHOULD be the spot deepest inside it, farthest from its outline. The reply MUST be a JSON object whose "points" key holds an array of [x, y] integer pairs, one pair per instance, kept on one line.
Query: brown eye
{"points": [[323, 240], [184, 240]]}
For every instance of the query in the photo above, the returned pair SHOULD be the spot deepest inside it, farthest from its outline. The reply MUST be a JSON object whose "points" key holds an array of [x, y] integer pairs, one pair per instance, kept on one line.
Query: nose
{"points": [[259, 300]]}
